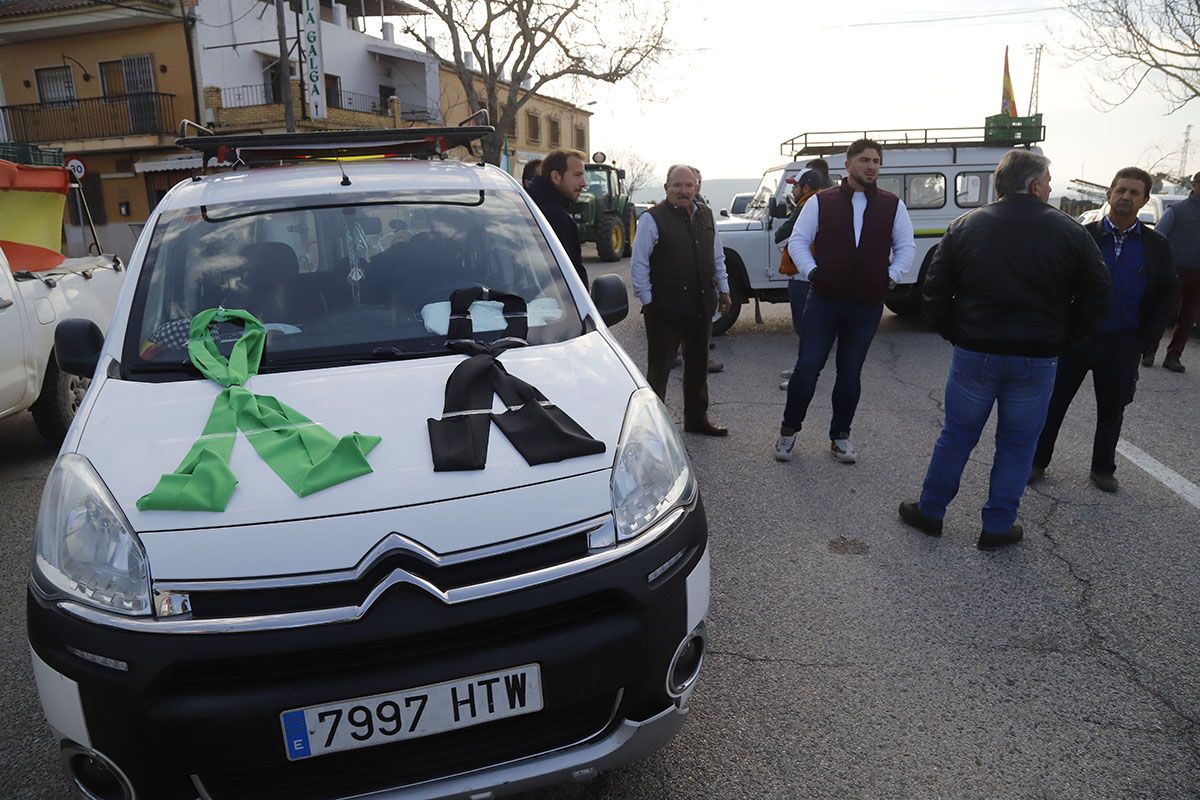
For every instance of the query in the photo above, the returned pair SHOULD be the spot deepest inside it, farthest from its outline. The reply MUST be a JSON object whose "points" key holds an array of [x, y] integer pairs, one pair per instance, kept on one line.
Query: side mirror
{"points": [[77, 345], [611, 298], [724, 212], [772, 207]]}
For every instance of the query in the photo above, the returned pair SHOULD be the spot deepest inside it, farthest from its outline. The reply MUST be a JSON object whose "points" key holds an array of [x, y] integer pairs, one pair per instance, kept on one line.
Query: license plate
{"points": [[411, 713]]}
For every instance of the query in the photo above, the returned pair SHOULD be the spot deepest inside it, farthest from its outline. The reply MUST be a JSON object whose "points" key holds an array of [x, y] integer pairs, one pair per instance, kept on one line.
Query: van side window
{"points": [[926, 190], [891, 183], [972, 189]]}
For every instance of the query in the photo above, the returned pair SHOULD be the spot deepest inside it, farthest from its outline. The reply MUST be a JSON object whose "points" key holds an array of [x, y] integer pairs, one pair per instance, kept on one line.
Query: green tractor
{"points": [[605, 213]]}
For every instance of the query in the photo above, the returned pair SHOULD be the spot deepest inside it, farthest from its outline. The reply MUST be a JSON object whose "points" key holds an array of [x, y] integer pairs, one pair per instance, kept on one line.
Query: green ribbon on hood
{"points": [[303, 454]]}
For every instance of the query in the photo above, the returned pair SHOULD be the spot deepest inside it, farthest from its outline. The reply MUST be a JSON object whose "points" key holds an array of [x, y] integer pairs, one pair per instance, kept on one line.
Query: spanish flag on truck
{"points": [[32, 200]]}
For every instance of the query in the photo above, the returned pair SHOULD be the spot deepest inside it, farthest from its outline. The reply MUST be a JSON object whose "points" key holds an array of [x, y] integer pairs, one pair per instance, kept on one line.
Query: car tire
{"points": [[56, 405], [610, 239]]}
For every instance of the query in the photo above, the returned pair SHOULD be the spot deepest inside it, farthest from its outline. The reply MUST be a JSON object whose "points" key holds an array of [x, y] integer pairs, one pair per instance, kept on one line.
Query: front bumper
{"points": [[198, 714]]}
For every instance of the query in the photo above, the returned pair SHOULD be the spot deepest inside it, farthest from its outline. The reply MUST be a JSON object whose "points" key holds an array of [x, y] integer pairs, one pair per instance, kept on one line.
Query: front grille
{"points": [[200, 676], [255, 602], [390, 766]]}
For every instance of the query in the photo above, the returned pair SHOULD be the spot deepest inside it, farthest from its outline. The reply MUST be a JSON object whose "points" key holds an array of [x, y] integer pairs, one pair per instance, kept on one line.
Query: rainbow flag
{"points": [[31, 215], [1008, 101]]}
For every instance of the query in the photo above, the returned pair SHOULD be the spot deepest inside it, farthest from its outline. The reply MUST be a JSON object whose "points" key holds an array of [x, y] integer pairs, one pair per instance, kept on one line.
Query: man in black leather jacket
{"points": [[1144, 287], [1011, 285]]}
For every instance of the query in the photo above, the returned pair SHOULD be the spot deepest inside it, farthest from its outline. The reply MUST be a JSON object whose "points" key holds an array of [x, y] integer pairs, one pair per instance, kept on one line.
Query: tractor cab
{"points": [[604, 212]]}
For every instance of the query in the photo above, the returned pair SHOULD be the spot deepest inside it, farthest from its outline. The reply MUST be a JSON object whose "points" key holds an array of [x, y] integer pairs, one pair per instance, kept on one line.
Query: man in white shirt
{"points": [[850, 245]]}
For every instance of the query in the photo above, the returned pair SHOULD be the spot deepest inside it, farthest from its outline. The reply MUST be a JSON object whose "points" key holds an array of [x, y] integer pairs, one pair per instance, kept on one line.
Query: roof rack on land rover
{"points": [[999, 131], [261, 148]]}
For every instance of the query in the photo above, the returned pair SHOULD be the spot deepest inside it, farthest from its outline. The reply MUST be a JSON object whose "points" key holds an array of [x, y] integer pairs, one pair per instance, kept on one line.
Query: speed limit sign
{"points": [[75, 166]]}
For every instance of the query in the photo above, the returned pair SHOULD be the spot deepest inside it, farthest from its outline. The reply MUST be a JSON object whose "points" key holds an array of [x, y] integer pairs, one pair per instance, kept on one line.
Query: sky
{"points": [[749, 75]]}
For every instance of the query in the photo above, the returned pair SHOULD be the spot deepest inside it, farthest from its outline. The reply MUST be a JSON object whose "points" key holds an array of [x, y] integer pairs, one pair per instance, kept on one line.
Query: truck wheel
{"points": [[725, 321], [56, 405], [630, 223], [610, 239], [905, 301]]}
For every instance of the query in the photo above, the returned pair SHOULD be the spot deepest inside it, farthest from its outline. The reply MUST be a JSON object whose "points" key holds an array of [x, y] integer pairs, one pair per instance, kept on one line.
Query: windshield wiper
{"points": [[378, 354], [185, 367]]}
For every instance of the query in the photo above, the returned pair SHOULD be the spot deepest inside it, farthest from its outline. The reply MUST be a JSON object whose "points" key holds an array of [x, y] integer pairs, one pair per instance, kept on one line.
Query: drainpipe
{"points": [[189, 33]]}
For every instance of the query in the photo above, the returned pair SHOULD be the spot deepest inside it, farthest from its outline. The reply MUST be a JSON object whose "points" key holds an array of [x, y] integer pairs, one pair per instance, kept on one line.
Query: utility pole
{"points": [[285, 70], [1183, 157], [1033, 89]]}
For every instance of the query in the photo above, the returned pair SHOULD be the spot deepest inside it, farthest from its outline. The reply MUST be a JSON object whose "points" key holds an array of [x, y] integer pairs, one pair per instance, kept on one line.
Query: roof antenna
{"points": [[345, 177]]}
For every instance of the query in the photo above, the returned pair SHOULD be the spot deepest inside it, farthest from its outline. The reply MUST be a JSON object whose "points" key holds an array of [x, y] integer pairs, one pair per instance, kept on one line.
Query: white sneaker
{"points": [[783, 447], [783, 385], [787, 373], [843, 451]]}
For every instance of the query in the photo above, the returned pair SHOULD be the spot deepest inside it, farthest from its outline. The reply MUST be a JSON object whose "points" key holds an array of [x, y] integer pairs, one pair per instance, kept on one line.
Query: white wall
{"points": [[414, 74]]}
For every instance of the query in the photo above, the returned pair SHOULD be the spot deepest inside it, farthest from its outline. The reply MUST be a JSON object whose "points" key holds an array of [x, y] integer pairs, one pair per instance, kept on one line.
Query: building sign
{"points": [[314, 63]]}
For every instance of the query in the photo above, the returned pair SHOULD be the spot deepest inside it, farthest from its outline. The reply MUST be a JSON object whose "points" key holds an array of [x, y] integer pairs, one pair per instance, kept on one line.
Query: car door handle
{"points": [[5, 303]]}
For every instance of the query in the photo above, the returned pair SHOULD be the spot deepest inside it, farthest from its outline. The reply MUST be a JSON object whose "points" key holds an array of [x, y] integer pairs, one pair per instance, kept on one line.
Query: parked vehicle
{"points": [[940, 175], [605, 213], [421, 610], [738, 205], [32, 302]]}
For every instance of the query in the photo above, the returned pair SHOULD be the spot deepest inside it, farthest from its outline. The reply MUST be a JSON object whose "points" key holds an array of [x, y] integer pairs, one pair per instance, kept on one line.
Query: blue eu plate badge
{"points": [[295, 734]]}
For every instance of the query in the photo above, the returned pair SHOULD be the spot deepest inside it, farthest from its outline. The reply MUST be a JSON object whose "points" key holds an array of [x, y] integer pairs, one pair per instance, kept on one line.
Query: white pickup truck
{"points": [[939, 173], [31, 306]]}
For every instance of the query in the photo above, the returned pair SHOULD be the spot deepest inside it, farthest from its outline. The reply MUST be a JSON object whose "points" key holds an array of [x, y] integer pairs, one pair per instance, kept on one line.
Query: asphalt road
{"points": [[852, 657]]}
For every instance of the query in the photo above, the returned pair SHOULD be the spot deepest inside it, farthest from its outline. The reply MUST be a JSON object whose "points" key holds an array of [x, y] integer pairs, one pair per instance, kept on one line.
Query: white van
{"points": [[459, 598], [939, 174]]}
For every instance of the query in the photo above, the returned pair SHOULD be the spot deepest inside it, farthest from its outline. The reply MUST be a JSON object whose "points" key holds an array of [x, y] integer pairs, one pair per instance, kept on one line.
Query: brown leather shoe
{"points": [[706, 427]]}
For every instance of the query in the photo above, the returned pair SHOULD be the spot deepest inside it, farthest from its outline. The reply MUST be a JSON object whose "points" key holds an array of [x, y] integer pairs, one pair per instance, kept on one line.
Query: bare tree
{"points": [[1141, 43], [541, 41], [639, 171]]}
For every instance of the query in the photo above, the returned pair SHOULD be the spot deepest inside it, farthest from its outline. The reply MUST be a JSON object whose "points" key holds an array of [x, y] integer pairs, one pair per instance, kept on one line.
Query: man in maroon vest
{"points": [[678, 272], [850, 245]]}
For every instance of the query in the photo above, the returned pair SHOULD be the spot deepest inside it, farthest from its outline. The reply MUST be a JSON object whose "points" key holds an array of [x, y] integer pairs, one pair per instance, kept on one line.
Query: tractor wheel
{"points": [[630, 220], [610, 239]]}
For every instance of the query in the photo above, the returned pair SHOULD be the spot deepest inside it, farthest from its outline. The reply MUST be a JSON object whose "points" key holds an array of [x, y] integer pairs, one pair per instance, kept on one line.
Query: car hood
{"points": [[137, 431], [739, 224]]}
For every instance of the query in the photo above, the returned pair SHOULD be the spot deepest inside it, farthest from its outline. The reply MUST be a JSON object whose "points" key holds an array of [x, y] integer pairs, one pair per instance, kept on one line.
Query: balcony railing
{"points": [[91, 118], [262, 95]]}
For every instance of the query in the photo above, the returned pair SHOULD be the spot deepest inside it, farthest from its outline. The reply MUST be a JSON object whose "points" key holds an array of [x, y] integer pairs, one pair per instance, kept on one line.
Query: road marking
{"points": [[1160, 472]]}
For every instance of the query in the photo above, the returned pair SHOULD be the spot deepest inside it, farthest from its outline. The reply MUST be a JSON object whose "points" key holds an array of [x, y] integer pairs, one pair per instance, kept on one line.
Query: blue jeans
{"points": [[853, 326], [797, 295], [1020, 388]]}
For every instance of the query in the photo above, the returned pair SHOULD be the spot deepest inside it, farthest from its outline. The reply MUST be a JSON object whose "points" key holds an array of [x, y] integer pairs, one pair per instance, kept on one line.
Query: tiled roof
{"points": [[23, 8]]}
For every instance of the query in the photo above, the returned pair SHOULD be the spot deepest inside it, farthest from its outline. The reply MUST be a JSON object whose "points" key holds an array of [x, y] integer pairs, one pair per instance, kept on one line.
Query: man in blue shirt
{"points": [[1144, 285]]}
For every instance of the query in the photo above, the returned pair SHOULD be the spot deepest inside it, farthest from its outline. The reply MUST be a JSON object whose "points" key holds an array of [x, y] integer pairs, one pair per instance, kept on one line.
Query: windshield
{"points": [[772, 183], [597, 182], [366, 278]]}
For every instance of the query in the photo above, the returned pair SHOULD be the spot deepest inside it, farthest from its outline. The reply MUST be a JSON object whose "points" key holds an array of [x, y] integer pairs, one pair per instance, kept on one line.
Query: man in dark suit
{"points": [[555, 191], [1144, 287]]}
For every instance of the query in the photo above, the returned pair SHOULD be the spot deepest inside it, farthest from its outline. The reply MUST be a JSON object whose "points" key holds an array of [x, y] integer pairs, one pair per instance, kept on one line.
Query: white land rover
{"points": [[364, 499], [940, 174]]}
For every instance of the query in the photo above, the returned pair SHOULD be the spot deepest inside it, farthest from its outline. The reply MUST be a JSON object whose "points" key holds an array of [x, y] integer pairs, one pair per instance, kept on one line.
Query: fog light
{"points": [[95, 776], [685, 665], [104, 661]]}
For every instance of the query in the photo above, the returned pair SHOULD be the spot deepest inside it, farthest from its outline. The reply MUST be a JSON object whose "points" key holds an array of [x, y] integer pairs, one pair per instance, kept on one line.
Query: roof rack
{"points": [[999, 131], [261, 148]]}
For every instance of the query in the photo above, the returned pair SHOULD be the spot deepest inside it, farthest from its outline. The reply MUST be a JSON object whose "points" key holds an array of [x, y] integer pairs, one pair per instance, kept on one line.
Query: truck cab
{"points": [[940, 174]]}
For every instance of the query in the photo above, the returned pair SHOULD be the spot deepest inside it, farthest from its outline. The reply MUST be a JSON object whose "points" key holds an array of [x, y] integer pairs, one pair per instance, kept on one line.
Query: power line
{"points": [[953, 18]]}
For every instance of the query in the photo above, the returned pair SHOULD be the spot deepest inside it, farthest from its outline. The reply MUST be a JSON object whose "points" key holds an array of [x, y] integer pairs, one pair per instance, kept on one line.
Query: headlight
{"points": [[84, 547], [651, 473]]}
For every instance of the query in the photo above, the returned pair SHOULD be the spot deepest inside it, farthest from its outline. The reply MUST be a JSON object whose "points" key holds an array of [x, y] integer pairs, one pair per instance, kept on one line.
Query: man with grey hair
{"points": [[678, 272], [1011, 285]]}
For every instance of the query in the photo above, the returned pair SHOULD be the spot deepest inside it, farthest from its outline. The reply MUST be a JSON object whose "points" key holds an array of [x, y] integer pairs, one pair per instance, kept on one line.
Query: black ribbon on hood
{"points": [[539, 430]]}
